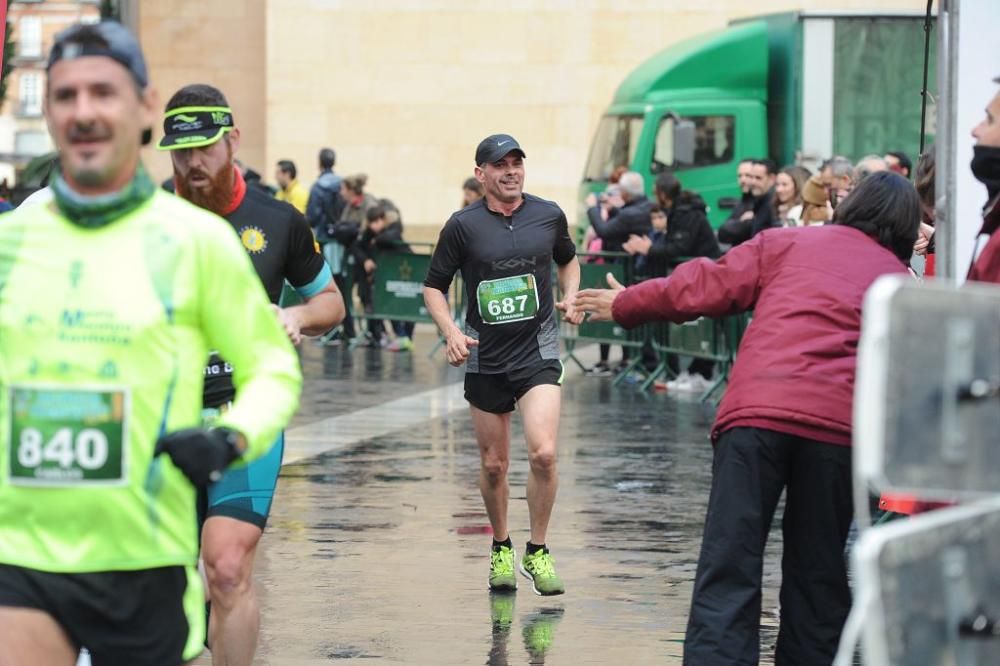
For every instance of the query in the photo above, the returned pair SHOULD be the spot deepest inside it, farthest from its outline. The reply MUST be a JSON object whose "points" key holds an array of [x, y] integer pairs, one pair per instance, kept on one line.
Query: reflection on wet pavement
{"points": [[378, 551]]}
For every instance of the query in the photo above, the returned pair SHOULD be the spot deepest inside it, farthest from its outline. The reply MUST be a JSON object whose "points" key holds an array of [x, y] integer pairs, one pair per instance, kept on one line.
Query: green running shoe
{"points": [[541, 569], [502, 570]]}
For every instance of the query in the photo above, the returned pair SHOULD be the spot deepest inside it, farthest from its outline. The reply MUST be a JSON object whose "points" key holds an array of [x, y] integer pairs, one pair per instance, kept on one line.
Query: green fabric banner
{"points": [[398, 291]]}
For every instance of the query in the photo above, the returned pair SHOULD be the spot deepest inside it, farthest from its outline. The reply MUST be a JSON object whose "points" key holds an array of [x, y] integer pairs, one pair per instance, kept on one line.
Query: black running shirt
{"points": [[281, 247], [506, 265]]}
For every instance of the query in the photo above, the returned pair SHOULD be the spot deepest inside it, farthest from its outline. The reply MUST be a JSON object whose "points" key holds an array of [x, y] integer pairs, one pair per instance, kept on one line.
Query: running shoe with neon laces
{"points": [[502, 577], [540, 567]]}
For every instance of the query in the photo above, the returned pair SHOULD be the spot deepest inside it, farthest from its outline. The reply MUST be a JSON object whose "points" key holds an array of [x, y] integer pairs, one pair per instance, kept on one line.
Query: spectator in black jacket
{"points": [[325, 204], [383, 233], [736, 228], [688, 234], [620, 223], [763, 173], [614, 226]]}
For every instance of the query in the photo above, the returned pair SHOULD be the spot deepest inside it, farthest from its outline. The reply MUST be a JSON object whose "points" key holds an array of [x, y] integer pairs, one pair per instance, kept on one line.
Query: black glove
{"points": [[202, 454]]}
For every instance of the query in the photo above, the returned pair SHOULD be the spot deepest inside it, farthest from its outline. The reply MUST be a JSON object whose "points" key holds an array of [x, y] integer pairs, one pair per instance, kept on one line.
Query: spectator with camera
{"points": [[614, 225]]}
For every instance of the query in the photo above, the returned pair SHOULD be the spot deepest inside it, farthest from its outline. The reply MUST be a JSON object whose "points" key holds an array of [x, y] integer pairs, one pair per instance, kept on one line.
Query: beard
{"points": [[216, 197]]}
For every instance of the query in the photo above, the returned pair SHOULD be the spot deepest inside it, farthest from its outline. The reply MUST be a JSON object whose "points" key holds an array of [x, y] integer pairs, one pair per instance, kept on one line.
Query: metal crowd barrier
{"points": [[397, 294], [397, 290], [705, 338], [594, 267]]}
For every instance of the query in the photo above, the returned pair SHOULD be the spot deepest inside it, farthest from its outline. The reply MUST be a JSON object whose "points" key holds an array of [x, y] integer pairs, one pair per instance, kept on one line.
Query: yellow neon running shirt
{"points": [[104, 333]]}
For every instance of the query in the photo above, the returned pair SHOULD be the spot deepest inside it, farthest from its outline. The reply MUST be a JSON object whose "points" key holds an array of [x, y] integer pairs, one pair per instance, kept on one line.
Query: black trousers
{"points": [[750, 469], [702, 366], [403, 328], [348, 322]]}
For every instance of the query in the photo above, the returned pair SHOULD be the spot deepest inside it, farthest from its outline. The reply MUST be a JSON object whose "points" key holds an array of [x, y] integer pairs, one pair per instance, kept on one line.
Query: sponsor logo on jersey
{"points": [[253, 239], [514, 263], [75, 273], [187, 126]]}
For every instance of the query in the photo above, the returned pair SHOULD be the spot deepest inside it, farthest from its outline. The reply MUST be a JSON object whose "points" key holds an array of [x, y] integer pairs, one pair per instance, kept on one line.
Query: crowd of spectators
{"points": [[353, 227], [660, 234]]}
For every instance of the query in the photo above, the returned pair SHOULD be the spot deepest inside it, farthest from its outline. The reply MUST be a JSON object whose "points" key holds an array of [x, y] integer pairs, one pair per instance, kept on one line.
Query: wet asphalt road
{"points": [[377, 551]]}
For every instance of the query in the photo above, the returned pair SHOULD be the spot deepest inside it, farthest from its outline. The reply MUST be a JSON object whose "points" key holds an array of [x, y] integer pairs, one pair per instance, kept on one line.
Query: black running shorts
{"points": [[499, 393], [150, 617]]}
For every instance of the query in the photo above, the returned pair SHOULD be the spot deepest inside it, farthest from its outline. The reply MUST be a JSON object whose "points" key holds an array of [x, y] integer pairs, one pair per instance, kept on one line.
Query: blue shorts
{"points": [[245, 492]]}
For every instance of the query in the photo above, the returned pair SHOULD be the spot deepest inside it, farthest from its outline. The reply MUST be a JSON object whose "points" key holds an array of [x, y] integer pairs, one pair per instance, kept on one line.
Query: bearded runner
{"points": [[201, 135]]}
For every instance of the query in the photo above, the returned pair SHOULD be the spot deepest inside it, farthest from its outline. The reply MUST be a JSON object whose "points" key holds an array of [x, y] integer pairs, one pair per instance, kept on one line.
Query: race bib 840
{"points": [[67, 437]]}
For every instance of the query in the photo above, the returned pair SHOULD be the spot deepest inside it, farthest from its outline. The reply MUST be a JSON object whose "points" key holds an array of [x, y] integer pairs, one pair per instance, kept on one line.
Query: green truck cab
{"points": [[797, 87]]}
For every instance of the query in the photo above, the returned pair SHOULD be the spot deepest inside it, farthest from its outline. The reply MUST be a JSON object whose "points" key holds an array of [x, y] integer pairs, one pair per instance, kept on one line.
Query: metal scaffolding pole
{"points": [[945, 199]]}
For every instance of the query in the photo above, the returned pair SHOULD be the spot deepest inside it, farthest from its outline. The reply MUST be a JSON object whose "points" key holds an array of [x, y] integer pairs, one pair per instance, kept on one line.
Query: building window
{"points": [[29, 38], [30, 94], [32, 142]]}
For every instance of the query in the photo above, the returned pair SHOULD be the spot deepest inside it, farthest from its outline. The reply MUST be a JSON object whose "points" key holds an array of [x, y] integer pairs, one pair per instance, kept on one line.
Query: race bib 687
{"points": [[508, 299]]}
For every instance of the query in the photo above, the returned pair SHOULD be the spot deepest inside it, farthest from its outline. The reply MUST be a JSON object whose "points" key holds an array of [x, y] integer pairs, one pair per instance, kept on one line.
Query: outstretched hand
{"points": [[598, 302], [571, 313]]}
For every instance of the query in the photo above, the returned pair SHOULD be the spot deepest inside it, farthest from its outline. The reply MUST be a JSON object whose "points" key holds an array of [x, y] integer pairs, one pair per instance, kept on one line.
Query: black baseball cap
{"points": [[495, 147], [107, 38]]}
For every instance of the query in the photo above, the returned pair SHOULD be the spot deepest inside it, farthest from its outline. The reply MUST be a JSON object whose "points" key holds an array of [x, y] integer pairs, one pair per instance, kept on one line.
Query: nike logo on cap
{"points": [[500, 143]]}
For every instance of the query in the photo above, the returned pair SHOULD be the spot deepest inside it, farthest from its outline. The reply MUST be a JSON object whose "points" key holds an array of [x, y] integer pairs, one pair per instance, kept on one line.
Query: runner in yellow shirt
{"points": [[111, 296]]}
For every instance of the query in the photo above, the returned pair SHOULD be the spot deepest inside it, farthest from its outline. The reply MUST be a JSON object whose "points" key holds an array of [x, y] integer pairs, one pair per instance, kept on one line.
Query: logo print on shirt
{"points": [[75, 273], [253, 239], [514, 263]]}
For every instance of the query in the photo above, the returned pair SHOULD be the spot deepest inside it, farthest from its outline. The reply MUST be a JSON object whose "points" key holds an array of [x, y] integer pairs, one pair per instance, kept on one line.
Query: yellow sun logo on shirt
{"points": [[253, 239]]}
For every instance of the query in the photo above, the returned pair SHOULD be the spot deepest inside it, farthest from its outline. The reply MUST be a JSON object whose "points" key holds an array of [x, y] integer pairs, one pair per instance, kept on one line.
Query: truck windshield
{"points": [[614, 145]]}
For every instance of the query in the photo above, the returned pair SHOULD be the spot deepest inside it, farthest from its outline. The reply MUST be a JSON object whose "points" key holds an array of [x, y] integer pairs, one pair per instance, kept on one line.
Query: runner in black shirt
{"points": [[504, 245], [201, 135]]}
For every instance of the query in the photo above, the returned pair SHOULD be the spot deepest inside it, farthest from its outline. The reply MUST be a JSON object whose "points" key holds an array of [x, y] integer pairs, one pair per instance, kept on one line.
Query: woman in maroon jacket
{"points": [[785, 420]]}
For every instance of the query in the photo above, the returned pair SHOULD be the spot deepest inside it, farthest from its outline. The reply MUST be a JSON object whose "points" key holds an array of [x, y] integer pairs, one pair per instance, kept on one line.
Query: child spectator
{"points": [[383, 233]]}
